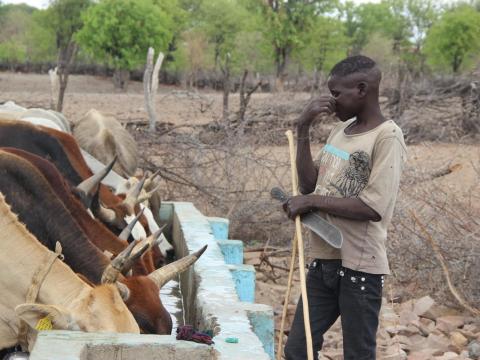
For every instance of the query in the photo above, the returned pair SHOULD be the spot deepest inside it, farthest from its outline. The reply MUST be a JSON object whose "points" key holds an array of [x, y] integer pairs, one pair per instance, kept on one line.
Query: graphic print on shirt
{"points": [[342, 174]]}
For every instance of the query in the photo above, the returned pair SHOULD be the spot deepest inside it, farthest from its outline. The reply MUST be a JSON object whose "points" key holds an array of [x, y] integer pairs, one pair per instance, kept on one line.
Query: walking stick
{"points": [[301, 259], [287, 297]]}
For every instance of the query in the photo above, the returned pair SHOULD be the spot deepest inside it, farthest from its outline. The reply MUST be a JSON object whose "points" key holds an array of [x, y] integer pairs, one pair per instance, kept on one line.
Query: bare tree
{"points": [[150, 85]]}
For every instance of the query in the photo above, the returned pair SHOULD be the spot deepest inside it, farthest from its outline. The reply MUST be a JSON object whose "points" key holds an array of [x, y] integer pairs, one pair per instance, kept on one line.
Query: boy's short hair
{"points": [[353, 64]]}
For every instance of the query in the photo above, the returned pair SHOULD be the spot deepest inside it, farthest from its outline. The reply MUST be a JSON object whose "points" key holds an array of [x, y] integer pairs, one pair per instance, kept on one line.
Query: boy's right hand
{"points": [[321, 105]]}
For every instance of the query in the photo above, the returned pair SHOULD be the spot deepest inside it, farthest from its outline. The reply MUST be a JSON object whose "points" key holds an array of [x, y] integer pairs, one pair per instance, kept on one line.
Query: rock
{"points": [[395, 329], [422, 305], [437, 311], [334, 354], [393, 353], [425, 354], [407, 316], [450, 323], [458, 339], [447, 356], [474, 350]]}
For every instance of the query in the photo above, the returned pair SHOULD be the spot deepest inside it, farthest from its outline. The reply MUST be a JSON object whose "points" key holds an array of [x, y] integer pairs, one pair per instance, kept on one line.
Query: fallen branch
{"points": [[441, 259]]}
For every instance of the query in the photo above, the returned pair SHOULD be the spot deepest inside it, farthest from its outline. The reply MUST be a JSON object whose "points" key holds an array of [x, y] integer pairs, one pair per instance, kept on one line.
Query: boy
{"points": [[354, 185]]}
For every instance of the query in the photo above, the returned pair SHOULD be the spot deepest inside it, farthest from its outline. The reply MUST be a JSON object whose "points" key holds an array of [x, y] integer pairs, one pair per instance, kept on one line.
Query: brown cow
{"points": [[36, 204]]}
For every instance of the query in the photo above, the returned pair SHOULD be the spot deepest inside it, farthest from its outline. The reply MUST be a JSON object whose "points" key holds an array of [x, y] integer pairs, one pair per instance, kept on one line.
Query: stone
{"points": [[422, 305], [447, 356], [426, 354], [333, 354], [407, 316], [393, 353], [450, 323], [474, 350], [437, 311], [458, 339]]}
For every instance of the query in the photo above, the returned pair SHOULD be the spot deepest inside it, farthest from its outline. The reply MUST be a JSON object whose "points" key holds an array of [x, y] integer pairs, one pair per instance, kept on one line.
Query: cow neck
{"points": [[39, 276]]}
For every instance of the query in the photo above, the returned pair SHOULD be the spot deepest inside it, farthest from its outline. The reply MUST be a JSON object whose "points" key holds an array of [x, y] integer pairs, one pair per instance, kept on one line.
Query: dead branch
{"points": [[446, 273]]}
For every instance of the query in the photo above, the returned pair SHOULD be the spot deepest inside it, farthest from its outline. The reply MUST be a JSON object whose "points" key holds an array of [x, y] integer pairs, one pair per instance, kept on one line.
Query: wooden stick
{"points": [[301, 259], [287, 297]]}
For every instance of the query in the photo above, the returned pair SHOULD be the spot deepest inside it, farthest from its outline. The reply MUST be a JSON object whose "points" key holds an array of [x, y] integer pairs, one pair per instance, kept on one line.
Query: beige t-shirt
{"points": [[367, 166]]}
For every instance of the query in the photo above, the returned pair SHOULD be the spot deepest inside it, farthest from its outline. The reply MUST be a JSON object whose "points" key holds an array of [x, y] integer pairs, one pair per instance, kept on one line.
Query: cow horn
{"points": [[86, 187], [132, 195], [111, 272], [108, 216], [168, 272], [150, 179], [147, 196], [127, 266], [156, 238], [128, 229], [123, 290]]}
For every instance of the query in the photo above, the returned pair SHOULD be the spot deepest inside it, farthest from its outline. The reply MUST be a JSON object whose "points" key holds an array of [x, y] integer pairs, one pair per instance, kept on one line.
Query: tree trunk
{"points": [[121, 78], [226, 86], [281, 61], [245, 99], [66, 58]]}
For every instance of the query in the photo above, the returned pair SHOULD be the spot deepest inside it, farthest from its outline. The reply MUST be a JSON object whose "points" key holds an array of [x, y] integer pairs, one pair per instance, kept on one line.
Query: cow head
{"points": [[143, 295], [97, 309]]}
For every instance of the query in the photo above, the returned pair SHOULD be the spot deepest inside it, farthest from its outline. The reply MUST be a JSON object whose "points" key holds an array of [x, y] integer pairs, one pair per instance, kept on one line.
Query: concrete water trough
{"points": [[217, 293]]}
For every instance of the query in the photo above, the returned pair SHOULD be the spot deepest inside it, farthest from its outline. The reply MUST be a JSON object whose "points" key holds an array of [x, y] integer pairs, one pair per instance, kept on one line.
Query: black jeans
{"points": [[335, 291]]}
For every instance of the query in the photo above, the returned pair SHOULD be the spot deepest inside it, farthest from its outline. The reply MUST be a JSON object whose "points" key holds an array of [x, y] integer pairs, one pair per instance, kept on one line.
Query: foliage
{"points": [[23, 37], [453, 42], [119, 32], [326, 44]]}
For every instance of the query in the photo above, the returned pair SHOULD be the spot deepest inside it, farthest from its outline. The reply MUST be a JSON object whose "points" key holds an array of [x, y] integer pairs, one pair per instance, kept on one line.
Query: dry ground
{"points": [[440, 182]]}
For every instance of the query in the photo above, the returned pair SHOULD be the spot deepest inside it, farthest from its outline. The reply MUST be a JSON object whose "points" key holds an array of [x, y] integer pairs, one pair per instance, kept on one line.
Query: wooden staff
{"points": [[301, 258], [287, 297]]}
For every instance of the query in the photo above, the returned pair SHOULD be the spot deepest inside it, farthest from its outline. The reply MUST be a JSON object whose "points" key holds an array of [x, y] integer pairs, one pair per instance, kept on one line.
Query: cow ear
{"points": [[46, 317]]}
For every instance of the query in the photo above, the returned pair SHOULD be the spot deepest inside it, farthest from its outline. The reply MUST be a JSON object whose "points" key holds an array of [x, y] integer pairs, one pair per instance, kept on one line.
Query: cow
{"points": [[63, 298], [36, 204], [96, 232], [37, 116], [62, 150], [104, 137]]}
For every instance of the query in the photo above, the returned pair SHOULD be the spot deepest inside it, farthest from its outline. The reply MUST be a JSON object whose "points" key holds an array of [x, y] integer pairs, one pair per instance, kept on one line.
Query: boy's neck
{"points": [[370, 117]]}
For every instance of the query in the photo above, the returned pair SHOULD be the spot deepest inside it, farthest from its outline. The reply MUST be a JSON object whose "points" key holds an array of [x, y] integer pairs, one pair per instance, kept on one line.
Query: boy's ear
{"points": [[45, 317], [362, 88]]}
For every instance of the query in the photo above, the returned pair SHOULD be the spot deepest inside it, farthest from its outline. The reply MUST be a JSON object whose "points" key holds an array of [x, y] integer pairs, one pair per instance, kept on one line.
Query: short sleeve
{"points": [[387, 164]]}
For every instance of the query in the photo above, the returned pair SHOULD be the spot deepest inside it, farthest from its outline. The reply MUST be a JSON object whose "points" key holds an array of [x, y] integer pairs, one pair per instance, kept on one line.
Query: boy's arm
{"points": [[373, 201], [307, 173], [351, 208]]}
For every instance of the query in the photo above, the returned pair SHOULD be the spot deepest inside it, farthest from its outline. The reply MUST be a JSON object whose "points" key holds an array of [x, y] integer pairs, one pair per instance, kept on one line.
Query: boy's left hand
{"points": [[297, 205]]}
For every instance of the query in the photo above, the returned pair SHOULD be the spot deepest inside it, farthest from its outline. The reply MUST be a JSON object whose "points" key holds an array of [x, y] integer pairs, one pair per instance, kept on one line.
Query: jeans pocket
{"points": [[330, 275]]}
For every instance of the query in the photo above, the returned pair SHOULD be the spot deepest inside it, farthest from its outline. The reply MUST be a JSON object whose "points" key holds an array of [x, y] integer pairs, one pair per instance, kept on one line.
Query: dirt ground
{"points": [[447, 169]]}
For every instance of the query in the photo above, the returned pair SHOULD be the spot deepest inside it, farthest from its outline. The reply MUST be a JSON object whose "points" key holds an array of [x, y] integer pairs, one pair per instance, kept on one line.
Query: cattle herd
{"points": [[75, 254]]}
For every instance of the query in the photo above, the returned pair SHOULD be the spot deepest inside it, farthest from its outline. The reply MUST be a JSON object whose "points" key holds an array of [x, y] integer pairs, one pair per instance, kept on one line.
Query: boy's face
{"points": [[349, 96]]}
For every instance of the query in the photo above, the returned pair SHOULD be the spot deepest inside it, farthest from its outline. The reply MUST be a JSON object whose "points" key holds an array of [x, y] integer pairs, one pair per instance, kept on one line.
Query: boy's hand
{"points": [[321, 105], [297, 205]]}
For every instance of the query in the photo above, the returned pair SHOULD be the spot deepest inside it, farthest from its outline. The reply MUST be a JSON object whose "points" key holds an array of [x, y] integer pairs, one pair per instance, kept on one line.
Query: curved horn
{"points": [[123, 290], [127, 266], [132, 195], [128, 229], [157, 236], [111, 272], [108, 216], [147, 196], [87, 186], [150, 179], [168, 272]]}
